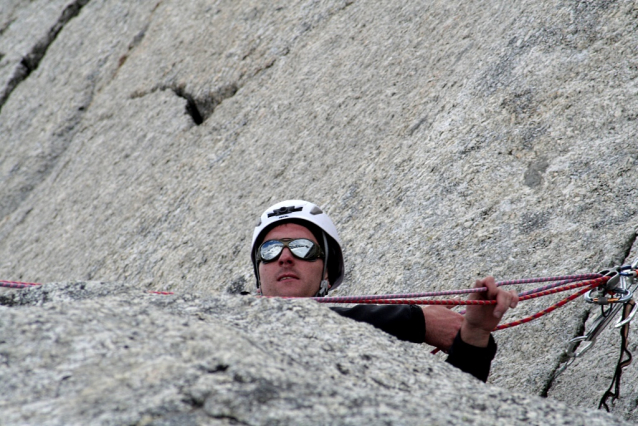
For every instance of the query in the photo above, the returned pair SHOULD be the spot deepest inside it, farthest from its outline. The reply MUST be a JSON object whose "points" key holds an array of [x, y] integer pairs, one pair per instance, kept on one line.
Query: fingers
{"points": [[491, 292], [491, 289], [504, 301], [514, 301]]}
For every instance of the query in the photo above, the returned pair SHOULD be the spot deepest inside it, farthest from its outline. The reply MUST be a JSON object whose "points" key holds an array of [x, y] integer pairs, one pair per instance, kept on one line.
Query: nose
{"points": [[286, 256]]}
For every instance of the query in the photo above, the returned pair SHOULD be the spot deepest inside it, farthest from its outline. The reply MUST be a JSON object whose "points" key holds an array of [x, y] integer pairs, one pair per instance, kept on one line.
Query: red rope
{"points": [[357, 299], [394, 299], [454, 302], [16, 284], [532, 294], [548, 310], [594, 283]]}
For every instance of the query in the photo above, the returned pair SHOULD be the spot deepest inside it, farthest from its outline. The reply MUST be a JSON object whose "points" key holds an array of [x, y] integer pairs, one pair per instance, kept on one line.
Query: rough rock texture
{"points": [[448, 140], [111, 354]]}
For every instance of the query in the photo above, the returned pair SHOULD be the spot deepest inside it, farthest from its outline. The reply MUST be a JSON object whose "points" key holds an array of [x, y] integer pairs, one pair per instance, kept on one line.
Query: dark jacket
{"points": [[406, 322]]}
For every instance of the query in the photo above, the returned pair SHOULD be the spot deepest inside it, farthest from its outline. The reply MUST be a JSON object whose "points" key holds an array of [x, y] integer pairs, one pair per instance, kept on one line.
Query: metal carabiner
{"points": [[614, 278], [627, 280], [620, 283], [575, 343], [630, 317], [600, 323]]}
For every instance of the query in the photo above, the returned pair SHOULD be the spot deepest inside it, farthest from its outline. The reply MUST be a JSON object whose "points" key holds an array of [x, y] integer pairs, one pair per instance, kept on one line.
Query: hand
{"points": [[481, 320], [441, 326]]}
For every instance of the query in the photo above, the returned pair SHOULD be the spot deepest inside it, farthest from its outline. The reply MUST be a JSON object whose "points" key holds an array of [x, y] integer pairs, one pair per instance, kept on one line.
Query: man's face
{"points": [[289, 276]]}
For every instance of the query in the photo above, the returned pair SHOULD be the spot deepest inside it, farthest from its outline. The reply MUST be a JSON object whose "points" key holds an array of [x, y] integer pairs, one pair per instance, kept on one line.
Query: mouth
{"points": [[287, 277]]}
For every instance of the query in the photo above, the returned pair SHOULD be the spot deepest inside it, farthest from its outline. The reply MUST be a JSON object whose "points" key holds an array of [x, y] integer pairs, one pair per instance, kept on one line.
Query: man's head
{"points": [[287, 274], [296, 251]]}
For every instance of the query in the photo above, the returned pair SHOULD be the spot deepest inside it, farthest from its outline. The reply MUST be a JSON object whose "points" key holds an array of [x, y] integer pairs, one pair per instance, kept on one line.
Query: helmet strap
{"points": [[257, 275], [324, 287]]}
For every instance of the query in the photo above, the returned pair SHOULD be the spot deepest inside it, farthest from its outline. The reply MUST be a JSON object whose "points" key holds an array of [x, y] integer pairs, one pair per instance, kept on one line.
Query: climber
{"points": [[296, 252]]}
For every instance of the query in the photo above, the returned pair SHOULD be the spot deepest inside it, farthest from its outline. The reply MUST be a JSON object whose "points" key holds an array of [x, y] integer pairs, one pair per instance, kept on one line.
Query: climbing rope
{"points": [[561, 284], [610, 287], [561, 281], [16, 284], [545, 311], [613, 287], [396, 299]]}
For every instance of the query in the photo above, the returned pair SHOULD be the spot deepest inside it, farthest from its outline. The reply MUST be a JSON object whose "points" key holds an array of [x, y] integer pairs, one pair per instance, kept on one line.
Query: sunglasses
{"points": [[301, 248]]}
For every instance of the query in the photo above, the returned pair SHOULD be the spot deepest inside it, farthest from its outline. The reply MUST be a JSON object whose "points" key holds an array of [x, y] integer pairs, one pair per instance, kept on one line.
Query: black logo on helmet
{"points": [[284, 210]]}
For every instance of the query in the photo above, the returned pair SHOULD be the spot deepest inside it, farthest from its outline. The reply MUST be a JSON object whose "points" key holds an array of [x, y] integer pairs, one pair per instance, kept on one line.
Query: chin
{"points": [[287, 291]]}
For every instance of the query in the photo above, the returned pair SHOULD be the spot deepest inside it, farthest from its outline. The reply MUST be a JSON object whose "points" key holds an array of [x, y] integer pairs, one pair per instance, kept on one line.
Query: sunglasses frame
{"points": [[286, 244]]}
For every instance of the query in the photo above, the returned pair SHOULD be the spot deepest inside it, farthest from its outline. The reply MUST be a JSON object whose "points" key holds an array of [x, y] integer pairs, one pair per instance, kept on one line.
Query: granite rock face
{"points": [[112, 354], [447, 140]]}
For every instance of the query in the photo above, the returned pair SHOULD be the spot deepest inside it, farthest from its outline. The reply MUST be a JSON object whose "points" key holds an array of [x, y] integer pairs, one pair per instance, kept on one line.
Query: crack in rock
{"points": [[564, 358], [7, 300], [628, 245], [191, 105], [6, 27], [132, 45], [32, 59], [621, 258], [199, 108], [206, 104], [416, 125]]}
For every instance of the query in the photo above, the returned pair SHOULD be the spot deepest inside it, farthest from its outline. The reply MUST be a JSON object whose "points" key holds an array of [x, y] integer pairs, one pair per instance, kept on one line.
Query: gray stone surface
{"points": [[448, 140], [27, 28], [108, 353], [42, 114]]}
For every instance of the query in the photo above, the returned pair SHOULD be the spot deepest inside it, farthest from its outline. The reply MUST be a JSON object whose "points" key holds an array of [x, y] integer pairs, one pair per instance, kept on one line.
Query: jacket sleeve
{"points": [[406, 322], [472, 359]]}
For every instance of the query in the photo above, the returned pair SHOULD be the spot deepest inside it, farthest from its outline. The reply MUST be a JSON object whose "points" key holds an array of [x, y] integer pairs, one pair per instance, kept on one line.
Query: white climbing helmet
{"points": [[296, 211]]}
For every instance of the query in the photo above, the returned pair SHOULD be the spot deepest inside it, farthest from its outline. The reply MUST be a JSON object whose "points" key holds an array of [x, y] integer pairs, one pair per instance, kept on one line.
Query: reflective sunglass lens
{"points": [[270, 250], [301, 248]]}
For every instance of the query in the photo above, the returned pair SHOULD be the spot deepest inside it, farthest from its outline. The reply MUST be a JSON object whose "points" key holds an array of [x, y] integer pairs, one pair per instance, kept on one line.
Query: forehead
{"points": [[289, 230]]}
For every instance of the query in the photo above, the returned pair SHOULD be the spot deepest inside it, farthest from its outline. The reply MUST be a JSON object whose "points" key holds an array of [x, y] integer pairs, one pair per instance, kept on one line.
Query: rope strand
{"points": [[564, 283], [17, 284], [356, 299], [543, 291]]}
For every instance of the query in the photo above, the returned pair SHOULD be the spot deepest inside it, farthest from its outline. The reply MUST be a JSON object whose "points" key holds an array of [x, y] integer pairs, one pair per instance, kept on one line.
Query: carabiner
{"points": [[600, 299], [575, 343], [630, 317], [619, 285], [600, 323]]}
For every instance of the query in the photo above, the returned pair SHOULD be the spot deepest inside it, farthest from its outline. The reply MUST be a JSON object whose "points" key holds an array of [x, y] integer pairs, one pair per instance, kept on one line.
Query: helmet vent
{"points": [[316, 210], [284, 210]]}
